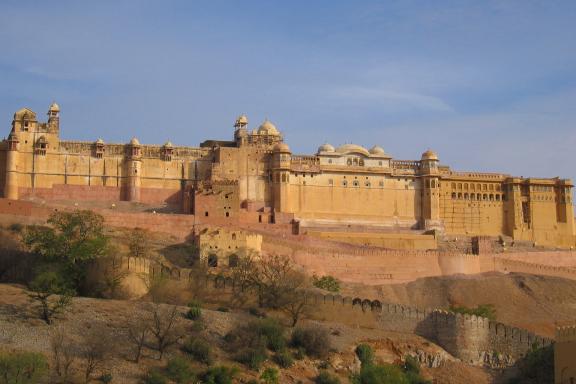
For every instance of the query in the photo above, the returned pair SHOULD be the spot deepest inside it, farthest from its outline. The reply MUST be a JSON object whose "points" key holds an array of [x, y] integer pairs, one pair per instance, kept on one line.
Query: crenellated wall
{"points": [[475, 340]]}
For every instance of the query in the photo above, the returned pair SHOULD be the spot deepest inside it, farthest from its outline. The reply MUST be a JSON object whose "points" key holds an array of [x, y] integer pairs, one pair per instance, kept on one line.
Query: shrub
{"points": [[314, 340], [300, 353], [328, 283], [154, 377], [273, 331], [256, 312], [22, 367], [195, 311], [252, 357], [106, 378], [178, 370], [284, 358], [365, 354], [199, 350], [16, 227], [380, 374], [483, 310], [270, 376], [219, 375], [326, 378], [536, 367]]}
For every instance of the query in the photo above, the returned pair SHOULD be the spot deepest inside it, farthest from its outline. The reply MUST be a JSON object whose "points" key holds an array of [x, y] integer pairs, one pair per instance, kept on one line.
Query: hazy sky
{"points": [[489, 85]]}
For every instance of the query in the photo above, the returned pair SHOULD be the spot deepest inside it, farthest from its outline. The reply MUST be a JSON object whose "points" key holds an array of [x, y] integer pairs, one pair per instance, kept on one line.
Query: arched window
{"points": [[212, 260], [459, 185], [453, 185], [465, 196], [233, 236], [233, 260], [484, 197], [472, 196], [453, 195], [459, 196], [491, 197], [478, 196], [344, 183], [356, 183], [361, 162], [465, 186], [349, 162]]}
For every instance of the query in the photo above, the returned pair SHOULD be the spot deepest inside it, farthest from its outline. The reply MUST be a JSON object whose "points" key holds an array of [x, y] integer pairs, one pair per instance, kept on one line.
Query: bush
{"points": [[179, 371], [380, 374], [365, 354], [194, 313], [270, 376], [106, 378], [219, 375], [256, 312], [22, 367], [273, 332], [199, 350], [483, 310], [284, 358], [326, 378], [314, 340], [154, 377], [536, 367], [328, 283], [16, 227], [252, 357]]}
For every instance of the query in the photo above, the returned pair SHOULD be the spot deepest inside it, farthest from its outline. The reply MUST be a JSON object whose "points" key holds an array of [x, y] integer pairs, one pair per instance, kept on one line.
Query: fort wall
{"points": [[473, 339]]}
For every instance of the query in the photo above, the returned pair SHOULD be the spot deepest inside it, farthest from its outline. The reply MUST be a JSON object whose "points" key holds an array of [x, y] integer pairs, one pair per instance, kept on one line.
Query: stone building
{"points": [[256, 178]]}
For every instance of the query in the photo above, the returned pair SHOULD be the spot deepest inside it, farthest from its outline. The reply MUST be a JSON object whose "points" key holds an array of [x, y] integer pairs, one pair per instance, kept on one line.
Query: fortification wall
{"points": [[473, 339]]}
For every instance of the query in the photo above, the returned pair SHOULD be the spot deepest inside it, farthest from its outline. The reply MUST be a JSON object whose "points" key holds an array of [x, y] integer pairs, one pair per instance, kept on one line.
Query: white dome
{"points": [[326, 148], [267, 128], [134, 141], [377, 150]]}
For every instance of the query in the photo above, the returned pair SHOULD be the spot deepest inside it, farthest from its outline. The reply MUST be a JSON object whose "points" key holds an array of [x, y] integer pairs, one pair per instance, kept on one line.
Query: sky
{"points": [[489, 85]]}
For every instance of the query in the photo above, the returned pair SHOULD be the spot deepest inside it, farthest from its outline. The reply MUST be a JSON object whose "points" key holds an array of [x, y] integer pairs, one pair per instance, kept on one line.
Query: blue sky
{"points": [[489, 85]]}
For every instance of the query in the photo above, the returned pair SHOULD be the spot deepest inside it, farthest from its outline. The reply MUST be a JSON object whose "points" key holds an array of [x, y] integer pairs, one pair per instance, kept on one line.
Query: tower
{"points": [[281, 159], [11, 185], [241, 133], [430, 191], [134, 170], [54, 118]]}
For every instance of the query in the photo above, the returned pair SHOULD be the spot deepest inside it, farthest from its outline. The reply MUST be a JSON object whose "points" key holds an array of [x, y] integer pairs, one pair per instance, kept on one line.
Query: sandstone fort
{"points": [[346, 192]]}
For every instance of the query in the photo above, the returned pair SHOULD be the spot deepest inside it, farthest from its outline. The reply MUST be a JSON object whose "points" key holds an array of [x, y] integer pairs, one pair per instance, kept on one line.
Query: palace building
{"points": [[255, 178]]}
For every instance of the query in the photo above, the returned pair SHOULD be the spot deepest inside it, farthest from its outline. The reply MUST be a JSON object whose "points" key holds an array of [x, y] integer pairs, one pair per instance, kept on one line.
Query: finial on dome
{"points": [[134, 141]]}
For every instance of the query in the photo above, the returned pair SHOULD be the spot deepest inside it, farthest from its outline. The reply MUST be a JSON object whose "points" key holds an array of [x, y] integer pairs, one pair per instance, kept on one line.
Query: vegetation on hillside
{"points": [[482, 310], [537, 367], [328, 283]]}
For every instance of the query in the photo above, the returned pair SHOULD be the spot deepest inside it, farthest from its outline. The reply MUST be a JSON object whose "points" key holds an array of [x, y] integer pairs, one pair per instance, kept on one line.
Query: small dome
{"points": [[326, 148], [54, 108], [99, 141], [242, 120], [168, 144], [377, 150], [352, 148], [267, 128], [281, 147], [134, 141], [429, 155]]}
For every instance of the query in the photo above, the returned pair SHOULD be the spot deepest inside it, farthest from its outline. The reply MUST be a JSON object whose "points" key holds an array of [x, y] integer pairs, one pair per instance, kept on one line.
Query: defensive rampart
{"points": [[473, 339]]}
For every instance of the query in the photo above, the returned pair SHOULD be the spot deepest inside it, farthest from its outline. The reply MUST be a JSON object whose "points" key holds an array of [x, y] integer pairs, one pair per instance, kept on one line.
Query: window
{"points": [[361, 162], [344, 183], [206, 213], [367, 184], [227, 214], [329, 161], [349, 162], [380, 163], [355, 183], [453, 195], [330, 182], [212, 260]]}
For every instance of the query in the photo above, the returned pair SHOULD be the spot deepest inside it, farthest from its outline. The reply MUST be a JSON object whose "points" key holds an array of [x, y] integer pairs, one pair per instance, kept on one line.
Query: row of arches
{"points": [[476, 187], [478, 196]]}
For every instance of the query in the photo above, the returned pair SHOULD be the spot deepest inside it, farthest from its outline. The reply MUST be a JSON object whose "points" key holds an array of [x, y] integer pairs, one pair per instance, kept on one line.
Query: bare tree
{"points": [[294, 304], [164, 328], [96, 348], [197, 281], [277, 280], [64, 354], [139, 243], [138, 332]]}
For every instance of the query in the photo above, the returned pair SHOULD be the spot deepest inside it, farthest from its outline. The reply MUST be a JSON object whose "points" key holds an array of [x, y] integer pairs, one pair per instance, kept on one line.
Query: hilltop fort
{"points": [[347, 191]]}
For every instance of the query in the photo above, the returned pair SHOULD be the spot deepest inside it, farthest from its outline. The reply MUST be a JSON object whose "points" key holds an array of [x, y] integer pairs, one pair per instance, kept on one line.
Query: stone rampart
{"points": [[473, 339]]}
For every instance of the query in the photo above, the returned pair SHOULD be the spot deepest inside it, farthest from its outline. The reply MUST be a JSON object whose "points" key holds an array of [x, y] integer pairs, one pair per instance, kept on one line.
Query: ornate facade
{"points": [[256, 178]]}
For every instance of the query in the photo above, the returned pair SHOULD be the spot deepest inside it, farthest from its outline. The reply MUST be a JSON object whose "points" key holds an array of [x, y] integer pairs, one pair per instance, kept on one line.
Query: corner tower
{"points": [[134, 170], [281, 160], [430, 191], [11, 185]]}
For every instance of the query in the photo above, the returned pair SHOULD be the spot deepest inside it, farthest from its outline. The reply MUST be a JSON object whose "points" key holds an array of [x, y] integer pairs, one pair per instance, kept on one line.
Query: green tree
{"points": [[52, 294], [72, 239], [22, 367], [328, 283], [270, 376], [139, 243]]}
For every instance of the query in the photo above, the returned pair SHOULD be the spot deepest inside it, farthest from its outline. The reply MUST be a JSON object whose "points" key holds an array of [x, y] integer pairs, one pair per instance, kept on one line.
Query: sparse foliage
{"points": [[483, 310], [96, 348], [199, 350], [51, 293], [270, 376], [219, 375], [328, 283], [326, 378], [139, 243], [64, 354], [179, 371], [365, 354], [164, 328], [138, 332], [22, 367], [314, 340]]}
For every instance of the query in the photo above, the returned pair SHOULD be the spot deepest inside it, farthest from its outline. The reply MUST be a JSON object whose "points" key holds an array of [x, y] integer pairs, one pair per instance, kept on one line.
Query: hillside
{"points": [[526, 301], [21, 330]]}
